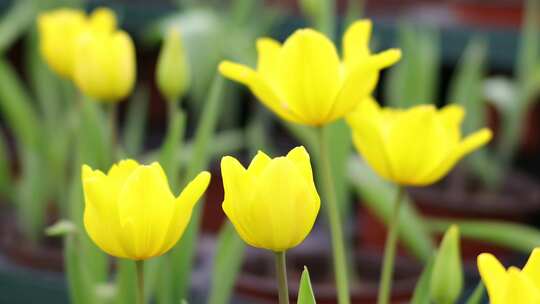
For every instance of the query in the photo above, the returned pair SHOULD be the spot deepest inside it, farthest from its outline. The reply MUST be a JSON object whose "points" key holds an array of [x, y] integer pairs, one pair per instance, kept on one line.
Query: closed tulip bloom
{"points": [[304, 81], [511, 285], [58, 33], [414, 147], [105, 60], [273, 203], [172, 75], [131, 213]]}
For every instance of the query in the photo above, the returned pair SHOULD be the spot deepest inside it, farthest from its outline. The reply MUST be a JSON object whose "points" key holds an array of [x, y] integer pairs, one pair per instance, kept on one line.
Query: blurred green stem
{"points": [[331, 207], [140, 281], [387, 271], [281, 272], [112, 111]]}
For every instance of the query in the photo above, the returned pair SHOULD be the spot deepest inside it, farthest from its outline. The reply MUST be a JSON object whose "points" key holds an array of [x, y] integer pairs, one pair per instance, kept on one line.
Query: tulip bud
{"points": [[447, 277], [172, 75]]}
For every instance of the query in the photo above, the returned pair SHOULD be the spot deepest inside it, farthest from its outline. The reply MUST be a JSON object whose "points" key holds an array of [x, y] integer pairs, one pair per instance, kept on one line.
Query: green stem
{"points": [[331, 207], [112, 109], [281, 273], [140, 281], [387, 271]]}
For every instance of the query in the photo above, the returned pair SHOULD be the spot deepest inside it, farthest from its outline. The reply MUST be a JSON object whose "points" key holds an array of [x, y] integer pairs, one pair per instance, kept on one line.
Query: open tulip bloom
{"points": [[414, 147], [304, 81], [131, 213], [511, 285]]}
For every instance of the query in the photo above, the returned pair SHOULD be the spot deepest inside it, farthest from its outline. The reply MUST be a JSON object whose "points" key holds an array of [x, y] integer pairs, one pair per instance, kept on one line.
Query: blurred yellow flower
{"points": [[172, 75], [58, 33], [131, 213], [105, 59], [304, 81], [273, 203], [513, 285], [415, 147]]}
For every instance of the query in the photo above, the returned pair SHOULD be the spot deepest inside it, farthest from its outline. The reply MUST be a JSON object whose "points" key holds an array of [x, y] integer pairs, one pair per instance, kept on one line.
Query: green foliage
{"points": [[447, 275], [305, 292]]}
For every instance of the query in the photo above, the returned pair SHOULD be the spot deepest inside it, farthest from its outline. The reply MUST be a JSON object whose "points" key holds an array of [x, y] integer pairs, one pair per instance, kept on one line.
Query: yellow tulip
{"points": [[304, 81], [105, 59], [172, 75], [415, 147], [513, 285], [131, 213], [58, 33], [273, 203]]}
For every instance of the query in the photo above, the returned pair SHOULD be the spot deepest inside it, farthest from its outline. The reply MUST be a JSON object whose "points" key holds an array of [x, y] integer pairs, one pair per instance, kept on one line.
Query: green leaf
{"points": [[227, 263], [16, 21], [182, 254], [6, 183], [514, 236], [378, 196], [136, 121], [16, 107], [126, 284], [305, 292], [421, 291], [477, 295], [171, 147], [447, 277], [80, 289]]}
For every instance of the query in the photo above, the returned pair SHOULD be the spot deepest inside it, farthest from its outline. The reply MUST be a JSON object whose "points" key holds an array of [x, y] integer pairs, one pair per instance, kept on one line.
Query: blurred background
{"points": [[484, 55]]}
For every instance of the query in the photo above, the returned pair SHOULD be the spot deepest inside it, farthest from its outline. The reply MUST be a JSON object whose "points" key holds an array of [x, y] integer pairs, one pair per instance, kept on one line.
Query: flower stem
{"points": [[281, 273], [331, 207], [387, 271], [113, 129], [140, 281]]}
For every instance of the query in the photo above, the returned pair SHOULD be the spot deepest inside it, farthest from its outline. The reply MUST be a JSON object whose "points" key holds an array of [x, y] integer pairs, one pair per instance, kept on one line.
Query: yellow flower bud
{"points": [[513, 285], [304, 81], [417, 146], [273, 203], [58, 33], [447, 276], [105, 59], [172, 74], [131, 213]]}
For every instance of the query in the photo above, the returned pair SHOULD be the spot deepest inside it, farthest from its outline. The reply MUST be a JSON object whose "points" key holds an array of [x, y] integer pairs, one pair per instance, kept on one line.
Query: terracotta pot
{"points": [[257, 280]]}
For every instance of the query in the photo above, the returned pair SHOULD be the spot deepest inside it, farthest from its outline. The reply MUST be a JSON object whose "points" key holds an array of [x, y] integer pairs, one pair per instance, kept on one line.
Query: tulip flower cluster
{"points": [[90, 50], [130, 212]]}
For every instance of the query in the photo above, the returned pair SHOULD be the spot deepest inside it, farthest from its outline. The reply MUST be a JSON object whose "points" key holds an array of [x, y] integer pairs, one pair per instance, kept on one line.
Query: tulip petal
{"points": [[103, 19], [493, 275], [452, 117], [238, 190], [469, 144], [260, 88], [356, 42], [360, 82], [532, 268], [259, 162], [123, 71], [183, 207], [146, 203], [309, 75], [520, 289], [416, 145], [268, 57], [300, 157]]}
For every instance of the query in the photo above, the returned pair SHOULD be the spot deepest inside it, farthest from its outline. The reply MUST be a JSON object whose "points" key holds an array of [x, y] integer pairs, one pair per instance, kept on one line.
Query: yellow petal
{"points": [[182, 210], [259, 162], [452, 117], [300, 157], [532, 268], [493, 275], [416, 145], [360, 82], [260, 88], [268, 57], [520, 289], [309, 75], [356, 42], [145, 206], [469, 144], [238, 199], [103, 19]]}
